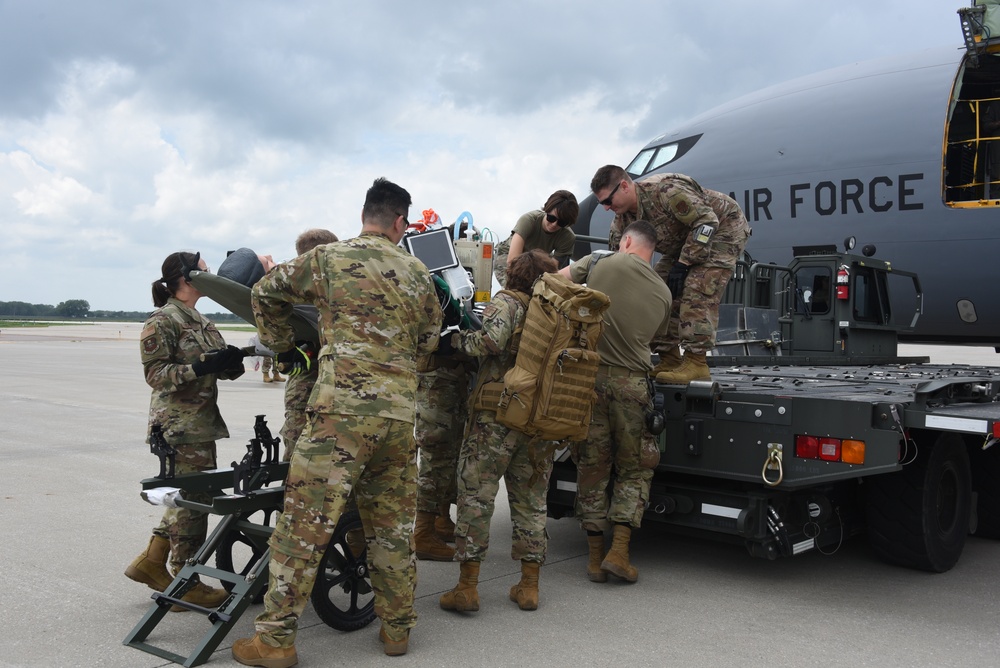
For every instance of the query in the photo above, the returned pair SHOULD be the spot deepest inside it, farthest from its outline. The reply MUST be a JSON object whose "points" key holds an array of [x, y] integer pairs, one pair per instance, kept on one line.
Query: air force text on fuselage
{"points": [[880, 194]]}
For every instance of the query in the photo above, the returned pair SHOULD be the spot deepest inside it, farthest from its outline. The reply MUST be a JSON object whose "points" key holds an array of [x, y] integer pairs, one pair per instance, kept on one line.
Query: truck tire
{"points": [[919, 517], [985, 473]]}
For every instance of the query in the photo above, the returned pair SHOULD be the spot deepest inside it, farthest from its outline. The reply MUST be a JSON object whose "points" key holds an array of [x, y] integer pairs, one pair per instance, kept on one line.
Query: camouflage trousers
{"points": [[375, 458], [186, 529], [694, 316], [266, 363], [490, 452], [615, 464], [442, 408], [297, 391]]}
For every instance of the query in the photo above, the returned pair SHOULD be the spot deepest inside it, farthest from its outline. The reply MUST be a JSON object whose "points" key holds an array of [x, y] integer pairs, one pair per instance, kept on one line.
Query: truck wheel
{"points": [[985, 473], [343, 596], [919, 517]]}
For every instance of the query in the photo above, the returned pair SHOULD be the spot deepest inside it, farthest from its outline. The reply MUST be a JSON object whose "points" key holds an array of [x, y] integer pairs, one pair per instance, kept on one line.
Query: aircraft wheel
{"points": [[343, 596], [919, 517], [238, 552]]}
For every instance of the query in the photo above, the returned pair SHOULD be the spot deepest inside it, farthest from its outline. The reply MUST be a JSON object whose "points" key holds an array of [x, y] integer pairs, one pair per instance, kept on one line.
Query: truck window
{"points": [[870, 296], [814, 284]]}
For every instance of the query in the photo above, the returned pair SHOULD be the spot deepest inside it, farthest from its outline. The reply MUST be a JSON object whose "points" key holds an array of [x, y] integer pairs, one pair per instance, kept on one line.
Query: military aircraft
{"points": [[902, 153]]}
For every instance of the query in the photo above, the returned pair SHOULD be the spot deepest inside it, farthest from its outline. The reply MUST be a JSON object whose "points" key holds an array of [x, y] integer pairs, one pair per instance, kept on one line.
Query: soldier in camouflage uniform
{"points": [[184, 403], [442, 409], [619, 447], [491, 450], [700, 234], [546, 229], [377, 312], [266, 364], [299, 387]]}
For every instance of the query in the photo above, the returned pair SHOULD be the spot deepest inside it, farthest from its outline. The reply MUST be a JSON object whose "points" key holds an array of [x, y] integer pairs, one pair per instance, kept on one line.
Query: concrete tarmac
{"points": [[73, 410]]}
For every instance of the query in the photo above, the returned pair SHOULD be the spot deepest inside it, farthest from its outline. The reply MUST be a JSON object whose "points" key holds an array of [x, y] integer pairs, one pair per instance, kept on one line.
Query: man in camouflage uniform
{"points": [[266, 364], [700, 234], [299, 387], [377, 312], [442, 408], [492, 451], [618, 441]]}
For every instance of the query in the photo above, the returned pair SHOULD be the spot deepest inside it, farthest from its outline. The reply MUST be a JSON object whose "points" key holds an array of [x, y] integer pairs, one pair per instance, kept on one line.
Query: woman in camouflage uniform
{"points": [[492, 451], [184, 404]]}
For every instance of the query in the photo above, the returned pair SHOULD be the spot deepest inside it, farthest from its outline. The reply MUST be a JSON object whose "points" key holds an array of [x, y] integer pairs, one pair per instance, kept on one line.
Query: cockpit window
{"points": [[664, 155], [638, 166], [653, 158]]}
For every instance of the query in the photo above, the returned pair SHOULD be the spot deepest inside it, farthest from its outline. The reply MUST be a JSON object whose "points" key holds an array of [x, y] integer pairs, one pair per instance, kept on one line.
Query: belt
{"points": [[605, 370]]}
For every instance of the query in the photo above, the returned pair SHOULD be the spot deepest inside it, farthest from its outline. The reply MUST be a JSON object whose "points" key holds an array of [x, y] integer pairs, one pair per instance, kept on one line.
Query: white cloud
{"points": [[154, 129]]}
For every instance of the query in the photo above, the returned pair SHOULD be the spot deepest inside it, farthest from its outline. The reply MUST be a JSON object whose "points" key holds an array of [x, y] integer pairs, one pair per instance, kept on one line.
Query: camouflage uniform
{"points": [[618, 439], [529, 227], [442, 409], [297, 391], [186, 407], [491, 450], [359, 435], [704, 229], [265, 364]]}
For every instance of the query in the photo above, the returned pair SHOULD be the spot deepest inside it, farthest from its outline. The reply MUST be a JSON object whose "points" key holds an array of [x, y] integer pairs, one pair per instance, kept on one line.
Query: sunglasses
{"points": [[611, 195], [553, 219]]}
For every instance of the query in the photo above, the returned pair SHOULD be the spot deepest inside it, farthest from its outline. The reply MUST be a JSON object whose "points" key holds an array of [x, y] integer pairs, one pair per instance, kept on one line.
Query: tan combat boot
{"points": [[617, 562], [203, 595], [669, 361], [596, 547], [394, 647], [150, 567], [464, 597], [525, 592], [255, 652], [694, 367], [427, 544], [277, 377], [443, 525], [267, 379]]}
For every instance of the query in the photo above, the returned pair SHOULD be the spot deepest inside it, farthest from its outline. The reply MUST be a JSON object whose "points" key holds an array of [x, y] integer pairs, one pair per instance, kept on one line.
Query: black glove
{"points": [[675, 279], [296, 361], [217, 361]]}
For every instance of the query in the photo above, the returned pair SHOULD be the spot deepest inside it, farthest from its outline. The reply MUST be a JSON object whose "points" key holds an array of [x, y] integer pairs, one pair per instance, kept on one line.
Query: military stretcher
{"points": [[342, 596]]}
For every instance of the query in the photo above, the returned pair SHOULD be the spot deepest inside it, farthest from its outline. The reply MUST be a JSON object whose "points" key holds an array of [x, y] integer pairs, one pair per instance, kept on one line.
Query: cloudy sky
{"points": [[131, 129]]}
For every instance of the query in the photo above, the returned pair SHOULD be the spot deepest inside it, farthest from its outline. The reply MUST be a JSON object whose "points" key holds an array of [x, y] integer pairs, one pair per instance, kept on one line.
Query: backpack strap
{"points": [[523, 299]]}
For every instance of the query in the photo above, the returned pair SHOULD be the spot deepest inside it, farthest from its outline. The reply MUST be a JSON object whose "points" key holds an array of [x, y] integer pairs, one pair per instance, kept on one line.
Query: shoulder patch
{"points": [[150, 344]]}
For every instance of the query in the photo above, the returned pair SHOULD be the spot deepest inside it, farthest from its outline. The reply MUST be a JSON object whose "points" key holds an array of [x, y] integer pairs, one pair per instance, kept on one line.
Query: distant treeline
{"points": [[73, 309]]}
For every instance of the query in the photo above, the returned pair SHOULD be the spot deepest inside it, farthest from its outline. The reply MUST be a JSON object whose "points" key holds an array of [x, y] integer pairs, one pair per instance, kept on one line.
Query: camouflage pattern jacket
{"points": [[377, 312], [491, 344], [183, 404], [693, 224]]}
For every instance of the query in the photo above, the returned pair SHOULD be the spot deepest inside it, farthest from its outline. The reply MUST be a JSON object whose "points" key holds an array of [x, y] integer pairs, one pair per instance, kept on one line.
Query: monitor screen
{"points": [[435, 249]]}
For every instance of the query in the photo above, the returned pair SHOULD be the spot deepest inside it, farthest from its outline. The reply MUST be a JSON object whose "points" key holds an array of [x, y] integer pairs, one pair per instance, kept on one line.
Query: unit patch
{"points": [[150, 342], [682, 208]]}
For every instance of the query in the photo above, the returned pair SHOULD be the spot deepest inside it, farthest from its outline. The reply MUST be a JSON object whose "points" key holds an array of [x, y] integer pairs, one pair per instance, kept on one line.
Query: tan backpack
{"points": [[549, 393]]}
